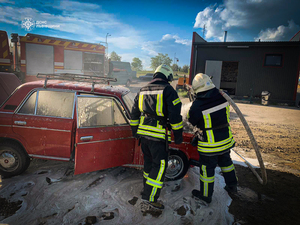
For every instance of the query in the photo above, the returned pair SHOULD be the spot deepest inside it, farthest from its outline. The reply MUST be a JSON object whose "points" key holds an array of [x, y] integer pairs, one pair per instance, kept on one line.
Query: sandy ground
{"points": [[277, 132]]}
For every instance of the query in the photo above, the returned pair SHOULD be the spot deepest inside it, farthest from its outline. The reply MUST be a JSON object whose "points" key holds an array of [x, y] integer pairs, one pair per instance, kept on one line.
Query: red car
{"points": [[80, 122]]}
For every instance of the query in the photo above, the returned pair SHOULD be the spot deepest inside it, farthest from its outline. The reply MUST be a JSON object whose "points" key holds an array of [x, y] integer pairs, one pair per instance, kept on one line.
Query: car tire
{"points": [[128, 83], [13, 159], [178, 165]]}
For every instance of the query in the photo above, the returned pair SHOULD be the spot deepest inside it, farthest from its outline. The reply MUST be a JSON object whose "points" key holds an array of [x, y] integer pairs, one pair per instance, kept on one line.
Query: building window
{"points": [[273, 60]]}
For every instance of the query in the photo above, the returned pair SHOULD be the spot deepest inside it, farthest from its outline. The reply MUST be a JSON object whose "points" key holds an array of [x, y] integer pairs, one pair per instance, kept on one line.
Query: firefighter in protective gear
{"points": [[210, 113], [156, 111]]}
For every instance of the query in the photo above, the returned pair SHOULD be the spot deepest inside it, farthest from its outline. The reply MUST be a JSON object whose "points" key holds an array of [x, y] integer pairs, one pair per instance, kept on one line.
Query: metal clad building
{"points": [[248, 68]]}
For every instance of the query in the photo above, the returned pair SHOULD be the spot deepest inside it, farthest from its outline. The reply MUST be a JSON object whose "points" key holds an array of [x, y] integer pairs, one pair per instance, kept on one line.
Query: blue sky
{"points": [[145, 28]]}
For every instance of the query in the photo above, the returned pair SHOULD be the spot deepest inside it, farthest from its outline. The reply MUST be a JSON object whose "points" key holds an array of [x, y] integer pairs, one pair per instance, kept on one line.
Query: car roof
{"points": [[22, 91], [80, 86]]}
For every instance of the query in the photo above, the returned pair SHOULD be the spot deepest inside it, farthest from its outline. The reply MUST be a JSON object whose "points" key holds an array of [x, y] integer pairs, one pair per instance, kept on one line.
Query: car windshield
{"points": [[128, 99]]}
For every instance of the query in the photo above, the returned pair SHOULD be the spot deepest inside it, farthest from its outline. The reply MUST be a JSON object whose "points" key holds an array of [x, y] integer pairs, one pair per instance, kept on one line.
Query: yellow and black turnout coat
{"points": [[156, 107], [210, 113]]}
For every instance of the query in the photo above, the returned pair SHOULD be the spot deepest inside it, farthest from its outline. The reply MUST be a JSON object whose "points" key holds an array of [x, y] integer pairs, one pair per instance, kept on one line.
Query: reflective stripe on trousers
{"points": [[205, 180], [156, 183]]}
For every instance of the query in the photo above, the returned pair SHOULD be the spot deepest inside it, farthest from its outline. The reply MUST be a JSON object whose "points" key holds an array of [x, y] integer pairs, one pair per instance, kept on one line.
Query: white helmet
{"points": [[165, 70], [201, 83]]}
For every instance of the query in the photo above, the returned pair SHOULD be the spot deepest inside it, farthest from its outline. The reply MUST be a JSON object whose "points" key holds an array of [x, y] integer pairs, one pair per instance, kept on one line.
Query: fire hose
{"points": [[263, 179]]}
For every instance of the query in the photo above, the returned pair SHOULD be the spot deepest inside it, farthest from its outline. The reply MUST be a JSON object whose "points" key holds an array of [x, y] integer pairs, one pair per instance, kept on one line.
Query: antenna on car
{"points": [[76, 77]]}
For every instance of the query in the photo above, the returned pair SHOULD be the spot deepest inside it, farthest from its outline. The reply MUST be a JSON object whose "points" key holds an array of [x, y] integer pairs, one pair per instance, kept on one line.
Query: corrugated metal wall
{"points": [[252, 74]]}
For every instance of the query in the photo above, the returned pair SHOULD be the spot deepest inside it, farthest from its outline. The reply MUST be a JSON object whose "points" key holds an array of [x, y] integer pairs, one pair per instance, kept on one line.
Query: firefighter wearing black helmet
{"points": [[210, 113], [156, 111]]}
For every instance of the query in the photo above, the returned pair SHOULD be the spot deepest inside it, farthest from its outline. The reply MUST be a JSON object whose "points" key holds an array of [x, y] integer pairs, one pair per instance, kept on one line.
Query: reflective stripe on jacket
{"points": [[154, 105], [210, 110]]}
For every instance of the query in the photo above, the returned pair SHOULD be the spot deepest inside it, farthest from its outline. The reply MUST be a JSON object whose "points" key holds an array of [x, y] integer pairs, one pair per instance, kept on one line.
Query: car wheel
{"points": [[128, 83], [178, 165], [13, 159]]}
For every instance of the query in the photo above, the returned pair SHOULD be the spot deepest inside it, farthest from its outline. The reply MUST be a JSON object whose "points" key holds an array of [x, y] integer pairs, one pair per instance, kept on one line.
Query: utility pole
{"points": [[106, 42], [107, 50], [174, 58], [203, 31]]}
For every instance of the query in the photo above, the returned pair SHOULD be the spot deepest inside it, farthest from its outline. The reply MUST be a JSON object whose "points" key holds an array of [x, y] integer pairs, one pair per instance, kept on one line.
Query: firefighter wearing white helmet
{"points": [[201, 83], [155, 112], [165, 70], [210, 114]]}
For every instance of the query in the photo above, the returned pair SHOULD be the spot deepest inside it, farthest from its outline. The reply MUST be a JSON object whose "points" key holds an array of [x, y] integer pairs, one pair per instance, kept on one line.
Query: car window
{"points": [[99, 111], [129, 99], [29, 105], [55, 103], [118, 115]]}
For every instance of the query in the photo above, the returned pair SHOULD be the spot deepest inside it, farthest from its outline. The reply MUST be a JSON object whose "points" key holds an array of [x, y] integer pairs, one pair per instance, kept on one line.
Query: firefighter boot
{"points": [[147, 206], [197, 194], [157, 205], [231, 189]]}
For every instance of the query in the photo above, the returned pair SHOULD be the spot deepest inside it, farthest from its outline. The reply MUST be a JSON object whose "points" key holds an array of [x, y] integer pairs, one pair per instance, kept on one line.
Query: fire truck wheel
{"points": [[13, 159], [178, 165]]}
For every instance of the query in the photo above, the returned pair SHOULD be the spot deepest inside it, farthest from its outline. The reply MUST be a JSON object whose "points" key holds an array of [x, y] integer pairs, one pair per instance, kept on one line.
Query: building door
{"points": [[229, 77], [214, 69]]}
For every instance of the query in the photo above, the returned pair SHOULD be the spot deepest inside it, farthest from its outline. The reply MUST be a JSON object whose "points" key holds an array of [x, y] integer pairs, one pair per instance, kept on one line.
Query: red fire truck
{"points": [[43, 54], [5, 54]]}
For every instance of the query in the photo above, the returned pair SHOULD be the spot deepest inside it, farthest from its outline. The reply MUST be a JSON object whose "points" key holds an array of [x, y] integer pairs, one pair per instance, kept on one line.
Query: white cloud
{"points": [[7, 2], [150, 48], [75, 6], [210, 18], [280, 33], [4, 20], [127, 57], [177, 39], [80, 19], [242, 14], [126, 42]]}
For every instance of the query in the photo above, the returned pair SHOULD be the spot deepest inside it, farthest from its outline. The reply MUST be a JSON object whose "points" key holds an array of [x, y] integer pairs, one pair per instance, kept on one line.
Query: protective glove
{"points": [[134, 131]]}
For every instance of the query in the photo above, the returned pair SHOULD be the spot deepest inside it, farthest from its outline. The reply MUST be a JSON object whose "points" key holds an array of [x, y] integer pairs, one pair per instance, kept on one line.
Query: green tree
{"points": [[175, 67], [160, 59], [136, 64], [115, 57], [185, 68]]}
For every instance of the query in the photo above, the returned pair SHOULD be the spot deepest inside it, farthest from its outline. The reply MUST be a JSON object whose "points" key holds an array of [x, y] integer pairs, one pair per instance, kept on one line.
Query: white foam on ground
{"points": [[74, 198]]}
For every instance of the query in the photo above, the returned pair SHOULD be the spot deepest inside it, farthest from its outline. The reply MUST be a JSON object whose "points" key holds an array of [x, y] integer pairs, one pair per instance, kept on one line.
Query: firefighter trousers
{"points": [[207, 172], [155, 166]]}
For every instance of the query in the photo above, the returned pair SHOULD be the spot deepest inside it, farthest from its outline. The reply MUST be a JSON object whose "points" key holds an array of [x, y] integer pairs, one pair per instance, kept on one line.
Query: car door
{"points": [[45, 123], [103, 136]]}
